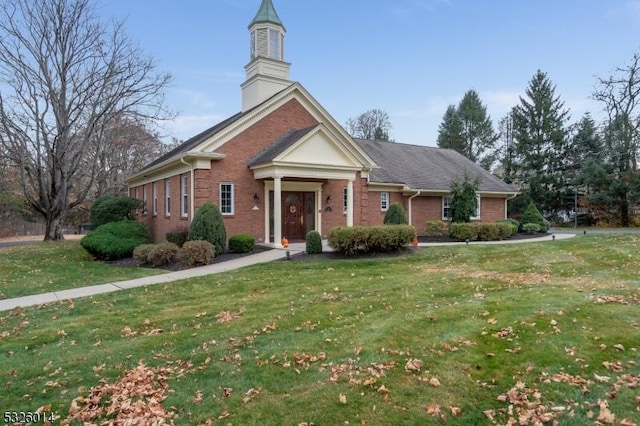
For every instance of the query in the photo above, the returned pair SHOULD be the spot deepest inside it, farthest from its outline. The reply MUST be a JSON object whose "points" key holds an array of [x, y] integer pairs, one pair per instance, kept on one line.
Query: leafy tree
{"points": [[65, 76], [464, 202], [372, 125], [450, 131], [468, 130], [208, 225], [541, 144], [395, 215], [620, 94]]}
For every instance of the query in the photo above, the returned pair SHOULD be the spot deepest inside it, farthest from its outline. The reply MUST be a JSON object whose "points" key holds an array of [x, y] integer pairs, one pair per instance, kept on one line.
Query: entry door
{"points": [[293, 215]]}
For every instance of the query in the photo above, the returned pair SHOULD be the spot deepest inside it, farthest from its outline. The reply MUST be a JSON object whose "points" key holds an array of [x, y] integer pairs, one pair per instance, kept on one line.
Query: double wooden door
{"points": [[298, 214]]}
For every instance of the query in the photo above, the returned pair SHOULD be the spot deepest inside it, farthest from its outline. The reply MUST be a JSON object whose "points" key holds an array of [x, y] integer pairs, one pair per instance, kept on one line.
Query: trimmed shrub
{"points": [[395, 215], [115, 240], [533, 215], [114, 209], [198, 252], [208, 225], [313, 243], [242, 243], [463, 231], [488, 231], [178, 236], [531, 228], [436, 228], [365, 239], [156, 254], [506, 230], [512, 225]]}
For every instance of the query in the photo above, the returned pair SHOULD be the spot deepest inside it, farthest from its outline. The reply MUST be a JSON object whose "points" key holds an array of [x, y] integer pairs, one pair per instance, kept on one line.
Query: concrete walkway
{"points": [[216, 268]]}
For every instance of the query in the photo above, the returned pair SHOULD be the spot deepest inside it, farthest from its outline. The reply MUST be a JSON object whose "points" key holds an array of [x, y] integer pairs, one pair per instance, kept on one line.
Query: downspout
{"points": [[192, 186], [409, 206]]}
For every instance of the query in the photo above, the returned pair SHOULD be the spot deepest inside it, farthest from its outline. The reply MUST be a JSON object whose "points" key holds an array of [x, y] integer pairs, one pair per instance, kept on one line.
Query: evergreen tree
{"points": [[541, 144], [477, 130], [450, 131], [208, 225], [464, 202], [467, 129], [395, 215]]}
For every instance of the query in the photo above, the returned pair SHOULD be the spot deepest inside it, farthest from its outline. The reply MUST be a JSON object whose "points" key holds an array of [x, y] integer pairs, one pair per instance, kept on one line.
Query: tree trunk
{"points": [[53, 230]]}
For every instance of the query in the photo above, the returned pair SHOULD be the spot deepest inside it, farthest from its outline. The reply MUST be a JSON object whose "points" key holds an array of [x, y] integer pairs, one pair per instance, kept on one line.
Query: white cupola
{"points": [[267, 73]]}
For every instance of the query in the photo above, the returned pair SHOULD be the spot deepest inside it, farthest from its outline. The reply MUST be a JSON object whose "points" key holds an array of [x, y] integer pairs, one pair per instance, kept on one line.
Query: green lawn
{"points": [[54, 266], [456, 335]]}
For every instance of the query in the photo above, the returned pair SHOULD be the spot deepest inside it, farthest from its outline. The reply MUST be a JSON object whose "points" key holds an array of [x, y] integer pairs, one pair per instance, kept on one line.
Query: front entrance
{"points": [[298, 214]]}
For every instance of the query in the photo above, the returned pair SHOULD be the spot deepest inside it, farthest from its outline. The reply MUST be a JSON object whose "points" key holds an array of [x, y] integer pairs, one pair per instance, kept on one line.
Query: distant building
{"points": [[283, 166]]}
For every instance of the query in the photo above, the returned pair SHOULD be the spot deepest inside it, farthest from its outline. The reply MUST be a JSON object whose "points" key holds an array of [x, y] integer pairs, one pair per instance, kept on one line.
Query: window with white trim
{"points": [[384, 201], [184, 195], [154, 195], [345, 201], [446, 209], [226, 198], [167, 197], [144, 199]]}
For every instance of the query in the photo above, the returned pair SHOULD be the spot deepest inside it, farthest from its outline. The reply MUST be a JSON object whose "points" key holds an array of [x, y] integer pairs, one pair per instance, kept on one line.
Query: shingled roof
{"points": [[425, 168], [278, 147]]}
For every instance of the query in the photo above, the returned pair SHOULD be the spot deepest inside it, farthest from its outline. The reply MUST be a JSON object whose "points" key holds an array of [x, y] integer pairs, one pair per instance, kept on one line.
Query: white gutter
{"points": [[409, 206], [192, 186]]}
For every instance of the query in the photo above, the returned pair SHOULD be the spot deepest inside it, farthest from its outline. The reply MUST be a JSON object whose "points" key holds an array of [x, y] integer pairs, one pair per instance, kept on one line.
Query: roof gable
{"points": [[312, 146]]}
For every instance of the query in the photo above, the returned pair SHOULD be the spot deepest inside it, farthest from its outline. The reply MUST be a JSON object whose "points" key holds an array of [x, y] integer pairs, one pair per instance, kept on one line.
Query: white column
{"points": [[267, 209], [350, 203], [277, 211], [319, 211]]}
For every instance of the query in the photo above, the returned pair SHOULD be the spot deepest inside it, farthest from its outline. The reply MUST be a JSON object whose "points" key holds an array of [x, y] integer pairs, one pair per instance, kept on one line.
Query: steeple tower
{"points": [[267, 73]]}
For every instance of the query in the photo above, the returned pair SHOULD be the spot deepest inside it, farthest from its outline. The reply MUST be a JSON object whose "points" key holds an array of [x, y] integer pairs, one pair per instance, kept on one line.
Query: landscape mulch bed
{"points": [[328, 255]]}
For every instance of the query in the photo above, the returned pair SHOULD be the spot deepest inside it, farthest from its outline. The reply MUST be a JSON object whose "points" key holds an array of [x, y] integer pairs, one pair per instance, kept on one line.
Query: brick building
{"points": [[283, 166]]}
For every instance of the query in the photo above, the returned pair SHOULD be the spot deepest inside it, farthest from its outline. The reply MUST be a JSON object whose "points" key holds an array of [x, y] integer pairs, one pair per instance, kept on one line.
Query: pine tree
{"points": [[477, 130], [464, 202], [450, 131], [468, 129], [505, 151], [541, 143]]}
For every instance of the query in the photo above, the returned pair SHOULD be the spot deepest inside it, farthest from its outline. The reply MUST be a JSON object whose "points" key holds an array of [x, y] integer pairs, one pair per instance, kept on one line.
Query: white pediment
{"points": [[318, 148]]}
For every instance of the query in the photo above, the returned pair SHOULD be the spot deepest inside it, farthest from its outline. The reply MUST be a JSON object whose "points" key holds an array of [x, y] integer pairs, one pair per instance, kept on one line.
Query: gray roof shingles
{"points": [[426, 168]]}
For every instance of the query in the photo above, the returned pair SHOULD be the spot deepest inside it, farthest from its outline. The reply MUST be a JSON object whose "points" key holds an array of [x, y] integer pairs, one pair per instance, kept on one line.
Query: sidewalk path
{"points": [[216, 268]]}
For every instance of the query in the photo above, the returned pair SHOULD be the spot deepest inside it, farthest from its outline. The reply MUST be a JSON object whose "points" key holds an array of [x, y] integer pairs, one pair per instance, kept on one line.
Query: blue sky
{"points": [[410, 58]]}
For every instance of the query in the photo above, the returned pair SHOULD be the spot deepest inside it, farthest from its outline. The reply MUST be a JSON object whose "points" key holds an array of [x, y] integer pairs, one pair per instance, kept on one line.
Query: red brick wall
{"points": [[492, 209], [233, 169], [425, 209]]}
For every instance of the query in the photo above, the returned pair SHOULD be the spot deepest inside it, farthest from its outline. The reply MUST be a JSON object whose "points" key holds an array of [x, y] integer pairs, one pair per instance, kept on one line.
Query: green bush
{"points": [[506, 230], [198, 252], [156, 254], [178, 236], [115, 240], [436, 228], [531, 228], [395, 215], [512, 224], [114, 209], [463, 231], [533, 215], [365, 239], [313, 242], [208, 225], [242, 243], [488, 231]]}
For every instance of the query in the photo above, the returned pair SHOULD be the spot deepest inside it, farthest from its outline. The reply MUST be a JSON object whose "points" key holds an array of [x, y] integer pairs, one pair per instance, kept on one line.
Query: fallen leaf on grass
{"points": [[198, 398], [434, 382], [343, 398], [413, 365], [619, 347], [226, 316]]}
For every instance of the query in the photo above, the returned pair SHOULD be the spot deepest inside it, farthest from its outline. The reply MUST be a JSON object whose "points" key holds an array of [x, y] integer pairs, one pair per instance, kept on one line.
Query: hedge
{"points": [[198, 252], [313, 243], [436, 228], [115, 240], [365, 239], [156, 254], [242, 243], [481, 231]]}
